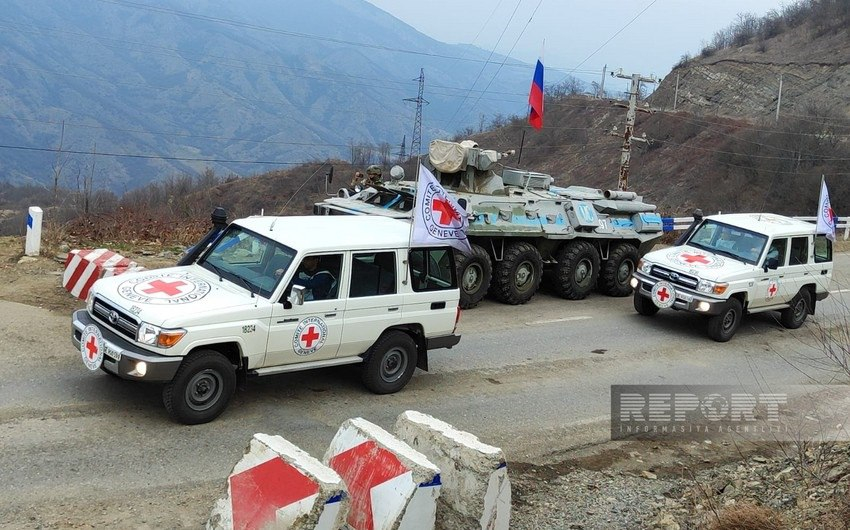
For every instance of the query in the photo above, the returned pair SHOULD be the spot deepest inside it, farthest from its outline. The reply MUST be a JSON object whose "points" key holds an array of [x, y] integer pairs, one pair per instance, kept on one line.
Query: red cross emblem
{"points": [[257, 493], [696, 258], [169, 288], [91, 346], [771, 291], [363, 467], [309, 336], [663, 294], [444, 208]]}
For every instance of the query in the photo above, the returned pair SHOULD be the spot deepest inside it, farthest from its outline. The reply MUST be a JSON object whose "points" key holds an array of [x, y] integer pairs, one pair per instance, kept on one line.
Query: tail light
{"points": [[457, 319]]}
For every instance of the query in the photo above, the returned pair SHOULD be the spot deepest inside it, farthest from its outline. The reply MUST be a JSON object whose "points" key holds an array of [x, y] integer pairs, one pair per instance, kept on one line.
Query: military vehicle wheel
{"points": [[617, 270], [644, 305], [517, 277], [721, 327], [577, 270], [474, 273], [794, 316]]}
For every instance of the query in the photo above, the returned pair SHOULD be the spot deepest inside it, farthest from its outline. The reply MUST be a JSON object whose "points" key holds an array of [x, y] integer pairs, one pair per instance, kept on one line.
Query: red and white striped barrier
{"points": [[86, 266], [476, 492], [277, 485], [391, 485]]}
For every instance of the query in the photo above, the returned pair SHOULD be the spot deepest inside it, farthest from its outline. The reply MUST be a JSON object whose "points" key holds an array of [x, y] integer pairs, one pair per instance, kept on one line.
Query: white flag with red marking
{"points": [[437, 217], [826, 216]]}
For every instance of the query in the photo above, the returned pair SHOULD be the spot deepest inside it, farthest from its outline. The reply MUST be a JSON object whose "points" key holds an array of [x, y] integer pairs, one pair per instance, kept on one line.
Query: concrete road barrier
{"points": [[86, 266], [476, 492], [277, 485], [391, 485]]}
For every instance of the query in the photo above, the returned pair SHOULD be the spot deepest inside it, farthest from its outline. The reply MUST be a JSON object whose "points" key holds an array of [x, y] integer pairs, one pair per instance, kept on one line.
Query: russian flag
{"points": [[535, 98]]}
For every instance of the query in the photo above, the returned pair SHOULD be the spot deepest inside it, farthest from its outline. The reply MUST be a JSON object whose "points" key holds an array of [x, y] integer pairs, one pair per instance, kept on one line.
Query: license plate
{"points": [[112, 354], [685, 297]]}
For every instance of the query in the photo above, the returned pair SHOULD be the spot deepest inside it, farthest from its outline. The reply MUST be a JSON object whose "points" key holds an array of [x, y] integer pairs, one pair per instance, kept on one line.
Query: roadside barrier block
{"points": [[86, 266], [391, 485], [278, 485], [476, 492]]}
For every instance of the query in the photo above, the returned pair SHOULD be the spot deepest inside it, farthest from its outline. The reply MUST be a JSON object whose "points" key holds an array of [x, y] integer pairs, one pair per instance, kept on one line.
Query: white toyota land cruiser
{"points": [[728, 265], [273, 295]]}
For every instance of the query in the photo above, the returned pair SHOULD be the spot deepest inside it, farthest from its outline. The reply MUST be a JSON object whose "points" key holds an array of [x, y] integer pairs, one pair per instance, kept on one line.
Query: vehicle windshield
{"points": [[249, 260], [391, 200], [732, 241]]}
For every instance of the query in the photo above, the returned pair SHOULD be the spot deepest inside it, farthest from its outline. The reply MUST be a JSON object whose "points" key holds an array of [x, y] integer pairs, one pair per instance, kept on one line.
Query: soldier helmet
{"points": [[373, 170]]}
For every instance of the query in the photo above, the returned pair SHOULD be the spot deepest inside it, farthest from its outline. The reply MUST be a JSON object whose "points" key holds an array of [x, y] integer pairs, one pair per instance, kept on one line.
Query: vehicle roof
{"points": [[331, 232], [769, 224]]}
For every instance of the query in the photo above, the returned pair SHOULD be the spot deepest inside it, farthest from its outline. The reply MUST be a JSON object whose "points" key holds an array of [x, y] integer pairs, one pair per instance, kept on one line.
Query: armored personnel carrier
{"points": [[522, 228]]}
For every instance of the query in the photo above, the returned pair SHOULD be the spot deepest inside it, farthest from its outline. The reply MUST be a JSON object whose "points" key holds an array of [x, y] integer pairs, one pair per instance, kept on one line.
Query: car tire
{"points": [[390, 362], [201, 388], [644, 305], [517, 277], [723, 326], [474, 273], [617, 270], [794, 316], [577, 270]]}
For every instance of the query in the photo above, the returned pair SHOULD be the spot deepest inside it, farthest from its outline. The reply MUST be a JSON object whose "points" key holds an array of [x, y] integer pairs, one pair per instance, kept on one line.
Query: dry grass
{"points": [[747, 516]]}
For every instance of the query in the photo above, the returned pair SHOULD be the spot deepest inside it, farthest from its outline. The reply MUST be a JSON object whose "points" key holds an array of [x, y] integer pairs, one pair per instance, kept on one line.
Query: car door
{"points": [[770, 289], [374, 302], [798, 271], [311, 331]]}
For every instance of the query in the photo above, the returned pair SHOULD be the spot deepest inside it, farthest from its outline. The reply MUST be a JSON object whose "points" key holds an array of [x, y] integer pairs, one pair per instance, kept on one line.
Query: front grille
{"points": [[125, 324], [674, 277]]}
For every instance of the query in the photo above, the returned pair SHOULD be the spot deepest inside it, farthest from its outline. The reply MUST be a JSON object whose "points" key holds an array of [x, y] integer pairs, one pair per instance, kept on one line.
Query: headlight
{"points": [[155, 336], [644, 266], [705, 286], [90, 301]]}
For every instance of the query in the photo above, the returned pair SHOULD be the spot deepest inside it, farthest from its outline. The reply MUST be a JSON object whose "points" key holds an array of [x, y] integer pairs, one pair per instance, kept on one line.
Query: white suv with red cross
{"points": [[732, 264], [273, 295]]}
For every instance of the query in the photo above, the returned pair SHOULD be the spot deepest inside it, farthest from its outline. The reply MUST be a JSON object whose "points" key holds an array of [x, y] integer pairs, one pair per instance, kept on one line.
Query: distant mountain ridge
{"points": [[146, 91]]}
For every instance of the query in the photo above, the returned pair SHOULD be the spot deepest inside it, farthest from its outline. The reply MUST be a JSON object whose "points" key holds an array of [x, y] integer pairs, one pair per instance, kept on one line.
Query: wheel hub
{"points": [[472, 278], [524, 275], [583, 272]]}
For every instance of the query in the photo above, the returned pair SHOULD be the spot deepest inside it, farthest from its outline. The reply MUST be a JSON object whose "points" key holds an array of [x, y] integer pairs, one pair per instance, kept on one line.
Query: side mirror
{"points": [[771, 263], [296, 295]]}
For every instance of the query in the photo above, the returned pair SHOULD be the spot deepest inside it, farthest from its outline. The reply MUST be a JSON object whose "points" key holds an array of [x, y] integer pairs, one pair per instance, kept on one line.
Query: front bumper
{"points": [[160, 368], [686, 299]]}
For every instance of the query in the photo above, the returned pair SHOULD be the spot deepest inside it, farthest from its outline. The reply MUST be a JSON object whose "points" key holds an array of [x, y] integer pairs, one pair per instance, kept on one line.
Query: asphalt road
{"points": [[82, 447]]}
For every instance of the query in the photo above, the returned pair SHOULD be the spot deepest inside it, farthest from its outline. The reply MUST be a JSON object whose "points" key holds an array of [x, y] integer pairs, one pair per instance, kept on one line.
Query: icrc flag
{"points": [[826, 216], [535, 97], [437, 218]]}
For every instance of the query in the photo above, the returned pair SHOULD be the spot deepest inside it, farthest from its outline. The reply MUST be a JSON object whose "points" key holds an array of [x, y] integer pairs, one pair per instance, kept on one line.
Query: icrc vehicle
{"points": [[731, 264], [521, 225], [251, 305]]}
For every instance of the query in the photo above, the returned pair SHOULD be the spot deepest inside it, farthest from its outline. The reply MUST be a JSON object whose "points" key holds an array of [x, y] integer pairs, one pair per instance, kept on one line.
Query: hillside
{"points": [[134, 93]]}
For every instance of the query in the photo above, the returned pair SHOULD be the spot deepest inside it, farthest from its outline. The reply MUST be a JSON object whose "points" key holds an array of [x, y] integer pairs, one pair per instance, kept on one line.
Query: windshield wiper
{"points": [[246, 283], [215, 269]]}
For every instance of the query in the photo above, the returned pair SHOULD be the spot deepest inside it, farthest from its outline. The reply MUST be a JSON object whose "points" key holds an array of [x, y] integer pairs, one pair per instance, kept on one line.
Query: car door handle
{"points": [[330, 315], [823, 272], [392, 309], [287, 320], [438, 305]]}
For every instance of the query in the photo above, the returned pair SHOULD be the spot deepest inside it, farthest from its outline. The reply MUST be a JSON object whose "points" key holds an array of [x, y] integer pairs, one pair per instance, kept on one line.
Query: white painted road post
{"points": [[476, 492], [278, 485], [392, 486], [33, 243]]}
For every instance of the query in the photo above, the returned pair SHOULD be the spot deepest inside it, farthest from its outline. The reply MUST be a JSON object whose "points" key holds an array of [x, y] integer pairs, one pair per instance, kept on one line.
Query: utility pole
{"points": [[416, 142], [601, 94], [779, 98], [402, 153], [625, 155]]}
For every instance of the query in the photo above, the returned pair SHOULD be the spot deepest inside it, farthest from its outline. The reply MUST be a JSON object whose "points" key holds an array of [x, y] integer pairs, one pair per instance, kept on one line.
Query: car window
{"points": [[776, 253], [319, 275], [432, 269], [799, 251], [373, 274], [823, 249]]}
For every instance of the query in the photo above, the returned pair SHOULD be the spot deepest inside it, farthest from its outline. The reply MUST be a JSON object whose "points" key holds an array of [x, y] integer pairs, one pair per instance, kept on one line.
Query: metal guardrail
{"points": [[681, 223]]}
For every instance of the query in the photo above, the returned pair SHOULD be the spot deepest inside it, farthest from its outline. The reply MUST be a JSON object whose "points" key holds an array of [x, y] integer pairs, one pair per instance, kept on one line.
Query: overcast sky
{"points": [[639, 36]]}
